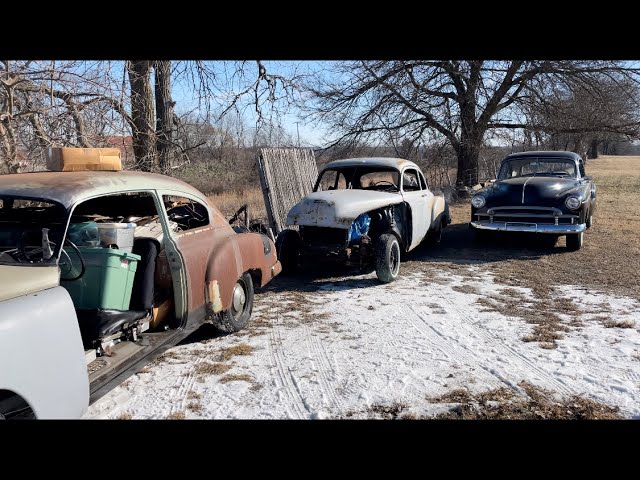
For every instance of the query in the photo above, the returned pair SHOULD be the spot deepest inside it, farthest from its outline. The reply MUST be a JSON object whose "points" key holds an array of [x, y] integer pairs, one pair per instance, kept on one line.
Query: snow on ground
{"points": [[355, 343]]}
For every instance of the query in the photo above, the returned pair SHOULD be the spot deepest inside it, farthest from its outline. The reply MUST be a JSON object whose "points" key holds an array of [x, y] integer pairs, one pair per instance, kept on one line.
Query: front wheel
{"points": [[590, 220], [237, 316], [387, 258], [574, 241], [288, 248], [434, 236]]}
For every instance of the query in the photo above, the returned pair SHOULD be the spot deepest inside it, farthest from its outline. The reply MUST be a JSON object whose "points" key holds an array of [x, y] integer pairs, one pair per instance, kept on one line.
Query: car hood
{"points": [[528, 190], [17, 280], [338, 208]]}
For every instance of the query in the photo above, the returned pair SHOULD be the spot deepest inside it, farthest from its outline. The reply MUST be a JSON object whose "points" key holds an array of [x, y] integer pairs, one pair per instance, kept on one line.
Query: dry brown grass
{"points": [[236, 377], [124, 416], [229, 202], [179, 415], [208, 368], [195, 407], [461, 395], [539, 404], [192, 395], [619, 323], [229, 352], [392, 411]]}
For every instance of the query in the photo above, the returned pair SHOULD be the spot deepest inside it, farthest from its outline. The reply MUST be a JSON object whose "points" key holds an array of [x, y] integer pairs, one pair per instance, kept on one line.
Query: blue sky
{"points": [[289, 117]]}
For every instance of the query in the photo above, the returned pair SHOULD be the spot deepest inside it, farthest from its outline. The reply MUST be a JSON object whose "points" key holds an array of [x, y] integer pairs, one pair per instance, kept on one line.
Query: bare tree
{"points": [[143, 114], [55, 103], [460, 100], [164, 114], [583, 118]]}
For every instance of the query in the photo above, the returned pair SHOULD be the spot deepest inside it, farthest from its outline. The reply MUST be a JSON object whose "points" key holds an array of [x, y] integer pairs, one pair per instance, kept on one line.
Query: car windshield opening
{"points": [[31, 231], [359, 178], [526, 167]]}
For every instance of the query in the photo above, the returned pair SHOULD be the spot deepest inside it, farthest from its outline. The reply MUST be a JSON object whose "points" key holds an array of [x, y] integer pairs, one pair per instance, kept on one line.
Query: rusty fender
{"points": [[235, 255]]}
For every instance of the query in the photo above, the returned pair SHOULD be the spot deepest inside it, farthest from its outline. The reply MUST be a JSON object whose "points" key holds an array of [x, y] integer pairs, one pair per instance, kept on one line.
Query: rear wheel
{"points": [[387, 258], [288, 247], [239, 313], [574, 241]]}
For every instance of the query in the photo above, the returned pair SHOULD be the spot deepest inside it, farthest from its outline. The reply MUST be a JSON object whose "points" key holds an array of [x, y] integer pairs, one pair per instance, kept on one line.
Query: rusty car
{"points": [[537, 192], [101, 271], [363, 212]]}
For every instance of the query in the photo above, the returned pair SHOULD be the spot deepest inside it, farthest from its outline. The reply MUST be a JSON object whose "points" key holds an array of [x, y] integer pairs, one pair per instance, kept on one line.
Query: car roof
{"points": [[545, 153], [397, 163], [68, 188]]}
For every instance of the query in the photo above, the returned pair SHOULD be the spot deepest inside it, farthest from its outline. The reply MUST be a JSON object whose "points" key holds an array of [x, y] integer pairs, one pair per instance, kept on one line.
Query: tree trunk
{"points": [[468, 154], [593, 149], [164, 114], [144, 135]]}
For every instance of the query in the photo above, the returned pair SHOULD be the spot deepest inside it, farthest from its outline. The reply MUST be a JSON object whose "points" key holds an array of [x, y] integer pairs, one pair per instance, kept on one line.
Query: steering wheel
{"points": [[380, 182], [28, 253], [83, 267]]}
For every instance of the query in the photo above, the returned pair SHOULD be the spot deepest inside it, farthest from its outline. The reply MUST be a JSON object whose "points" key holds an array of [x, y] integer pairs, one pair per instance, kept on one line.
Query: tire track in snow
{"points": [[296, 406], [452, 351], [320, 355], [471, 325]]}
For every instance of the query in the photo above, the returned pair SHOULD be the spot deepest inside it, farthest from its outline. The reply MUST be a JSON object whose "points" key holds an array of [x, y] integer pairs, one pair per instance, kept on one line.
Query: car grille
{"points": [[520, 214]]}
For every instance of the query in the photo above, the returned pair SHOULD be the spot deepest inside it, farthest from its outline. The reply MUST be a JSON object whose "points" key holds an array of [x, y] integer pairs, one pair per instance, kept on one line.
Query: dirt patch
{"points": [[538, 404], [124, 416], [466, 288]]}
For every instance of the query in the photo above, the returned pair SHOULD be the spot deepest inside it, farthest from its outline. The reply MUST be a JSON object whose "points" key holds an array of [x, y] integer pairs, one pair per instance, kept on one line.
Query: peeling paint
{"points": [[214, 302]]}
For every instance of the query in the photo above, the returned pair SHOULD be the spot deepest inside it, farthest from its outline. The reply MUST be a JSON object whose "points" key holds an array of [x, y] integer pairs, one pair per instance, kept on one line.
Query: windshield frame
{"points": [[540, 159], [351, 172]]}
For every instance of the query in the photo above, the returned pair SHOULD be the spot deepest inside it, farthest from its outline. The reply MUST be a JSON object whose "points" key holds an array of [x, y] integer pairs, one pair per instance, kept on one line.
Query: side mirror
{"points": [[588, 177]]}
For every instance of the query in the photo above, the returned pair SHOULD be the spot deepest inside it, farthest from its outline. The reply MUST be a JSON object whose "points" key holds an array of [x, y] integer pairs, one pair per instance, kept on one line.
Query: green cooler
{"points": [[107, 281]]}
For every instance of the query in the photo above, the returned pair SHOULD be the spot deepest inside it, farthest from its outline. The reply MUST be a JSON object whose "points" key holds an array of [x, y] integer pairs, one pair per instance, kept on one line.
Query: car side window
{"points": [[423, 182], [410, 182], [581, 167], [186, 213]]}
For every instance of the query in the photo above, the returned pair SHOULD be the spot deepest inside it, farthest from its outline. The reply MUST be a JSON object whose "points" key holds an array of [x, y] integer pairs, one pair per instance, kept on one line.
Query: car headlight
{"points": [[478, 201], [572, 203]]}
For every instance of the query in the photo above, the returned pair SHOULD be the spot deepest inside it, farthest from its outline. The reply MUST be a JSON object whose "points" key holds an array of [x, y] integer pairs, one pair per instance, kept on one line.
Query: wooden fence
{"points": [[286, 175]]}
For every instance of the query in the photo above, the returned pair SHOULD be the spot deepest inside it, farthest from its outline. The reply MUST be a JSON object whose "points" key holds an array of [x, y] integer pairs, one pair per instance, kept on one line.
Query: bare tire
{"points": [[239, 313], [387, 258], [288, 247], [574, 241], [435, 236]]}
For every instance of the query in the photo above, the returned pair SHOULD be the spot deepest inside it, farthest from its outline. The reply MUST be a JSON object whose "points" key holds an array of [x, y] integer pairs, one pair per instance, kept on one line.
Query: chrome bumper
{"points": [[529, 227]]}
